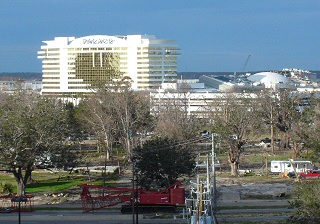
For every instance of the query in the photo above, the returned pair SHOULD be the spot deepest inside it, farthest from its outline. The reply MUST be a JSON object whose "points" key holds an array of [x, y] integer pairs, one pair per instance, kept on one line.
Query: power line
{"points": [[190, 141]]}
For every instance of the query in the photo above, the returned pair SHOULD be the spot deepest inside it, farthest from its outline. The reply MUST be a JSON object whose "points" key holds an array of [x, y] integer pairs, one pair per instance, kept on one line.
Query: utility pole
{"points": [[205, 200], [267, 173], [271, 129], [214, 184]]}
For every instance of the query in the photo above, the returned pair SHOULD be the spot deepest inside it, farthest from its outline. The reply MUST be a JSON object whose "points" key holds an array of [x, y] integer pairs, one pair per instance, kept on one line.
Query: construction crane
{"points": [[141, 201], [245, 64]]}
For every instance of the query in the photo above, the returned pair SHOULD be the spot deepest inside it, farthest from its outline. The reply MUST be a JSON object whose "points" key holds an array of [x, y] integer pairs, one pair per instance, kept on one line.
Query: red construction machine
{"points": [[136, 200]]}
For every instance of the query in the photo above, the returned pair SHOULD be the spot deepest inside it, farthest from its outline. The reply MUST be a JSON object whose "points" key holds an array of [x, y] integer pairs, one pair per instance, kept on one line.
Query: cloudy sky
{"points": [[213, 35]]}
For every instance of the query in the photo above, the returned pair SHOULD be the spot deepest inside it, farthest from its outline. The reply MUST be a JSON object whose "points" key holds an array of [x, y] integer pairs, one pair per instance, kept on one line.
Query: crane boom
{"points": [[245, 64]]}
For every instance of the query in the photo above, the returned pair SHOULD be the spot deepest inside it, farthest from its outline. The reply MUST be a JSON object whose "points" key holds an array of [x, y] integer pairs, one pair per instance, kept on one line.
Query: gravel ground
{"points": [[231, 191]]}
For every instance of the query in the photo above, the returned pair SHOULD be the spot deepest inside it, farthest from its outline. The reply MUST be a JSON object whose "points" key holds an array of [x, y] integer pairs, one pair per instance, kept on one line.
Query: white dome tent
{"points": [[269, 79]]}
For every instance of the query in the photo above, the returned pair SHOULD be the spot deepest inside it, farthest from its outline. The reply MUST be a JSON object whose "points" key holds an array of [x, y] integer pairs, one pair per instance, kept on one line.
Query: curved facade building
{"points": [[75, 65]]}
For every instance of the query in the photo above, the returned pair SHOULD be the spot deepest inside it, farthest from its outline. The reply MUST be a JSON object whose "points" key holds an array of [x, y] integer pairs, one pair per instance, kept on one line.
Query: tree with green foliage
{"points": [[161, 161], [306, 203], [31, 128]]}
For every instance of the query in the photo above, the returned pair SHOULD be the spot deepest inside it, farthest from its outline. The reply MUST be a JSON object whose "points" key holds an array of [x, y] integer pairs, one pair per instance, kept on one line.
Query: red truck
{"points": [[310, 174]]}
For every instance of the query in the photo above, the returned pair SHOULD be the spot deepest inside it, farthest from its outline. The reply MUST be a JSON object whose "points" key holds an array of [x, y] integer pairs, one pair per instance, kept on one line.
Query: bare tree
{"points": [[268, 107], [290, 114], [234, 120], [304, 123], [131, 113], [312, 130], [114, 112], [173, 116], [95, 115]]}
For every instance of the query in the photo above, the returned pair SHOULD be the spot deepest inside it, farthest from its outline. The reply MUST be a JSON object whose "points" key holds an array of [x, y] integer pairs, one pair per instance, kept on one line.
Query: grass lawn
{"points": [[52, 182], [49, 182]]}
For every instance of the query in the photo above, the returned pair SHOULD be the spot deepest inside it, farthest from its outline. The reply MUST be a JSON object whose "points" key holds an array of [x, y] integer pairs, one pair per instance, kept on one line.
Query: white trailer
{"points": [[289, 166]]}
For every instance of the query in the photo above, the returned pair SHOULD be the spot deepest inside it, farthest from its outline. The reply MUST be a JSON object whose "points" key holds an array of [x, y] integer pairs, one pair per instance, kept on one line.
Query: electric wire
{"points": [[181, 143]]}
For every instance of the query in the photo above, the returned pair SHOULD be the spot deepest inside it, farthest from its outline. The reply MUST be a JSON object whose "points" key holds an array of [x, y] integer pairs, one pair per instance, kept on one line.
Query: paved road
{"points": [[115, 217], [262, 210], [76, 217], [253, 215]]}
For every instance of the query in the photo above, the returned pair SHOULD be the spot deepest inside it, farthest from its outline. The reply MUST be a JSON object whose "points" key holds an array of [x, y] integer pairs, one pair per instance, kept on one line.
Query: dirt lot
{"points": [[232, 192], [243, 191], [237, 192]]}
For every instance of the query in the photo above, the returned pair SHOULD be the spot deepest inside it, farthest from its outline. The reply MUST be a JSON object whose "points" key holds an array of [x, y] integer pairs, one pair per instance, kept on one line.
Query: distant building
{"points": [[236, 83], [193, 85], [221, 83], [75, 65], [270, 80], [199, 104], [28, 85]]}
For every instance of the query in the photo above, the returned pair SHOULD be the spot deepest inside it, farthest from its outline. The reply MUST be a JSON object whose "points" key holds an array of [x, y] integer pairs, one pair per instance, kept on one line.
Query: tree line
{"points": [[32, 126]]}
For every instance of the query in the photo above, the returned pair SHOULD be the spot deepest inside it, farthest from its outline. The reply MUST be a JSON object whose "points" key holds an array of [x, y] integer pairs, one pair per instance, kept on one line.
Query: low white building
{"points": [[199, 103], [28, 85], [221, 83]]}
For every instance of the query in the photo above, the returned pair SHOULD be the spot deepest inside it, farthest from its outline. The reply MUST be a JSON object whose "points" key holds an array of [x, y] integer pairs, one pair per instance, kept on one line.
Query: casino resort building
{"points": [[73, 66]]}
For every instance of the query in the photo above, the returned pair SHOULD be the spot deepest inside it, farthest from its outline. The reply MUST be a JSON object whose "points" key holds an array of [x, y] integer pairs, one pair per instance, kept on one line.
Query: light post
{"points": [[133, 193], [136, 196], [19, 200], [135, 190]]}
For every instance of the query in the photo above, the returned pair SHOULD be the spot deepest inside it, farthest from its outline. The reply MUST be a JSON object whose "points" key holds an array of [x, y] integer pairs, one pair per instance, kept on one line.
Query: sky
{"points": [[213, 35]]}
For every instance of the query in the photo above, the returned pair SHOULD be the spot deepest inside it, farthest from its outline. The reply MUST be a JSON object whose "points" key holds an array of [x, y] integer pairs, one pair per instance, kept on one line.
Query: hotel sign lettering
{"points": [[98, 41]]}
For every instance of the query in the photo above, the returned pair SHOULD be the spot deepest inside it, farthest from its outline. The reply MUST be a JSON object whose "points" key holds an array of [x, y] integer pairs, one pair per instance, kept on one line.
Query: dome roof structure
{"points": [[269, 79]]}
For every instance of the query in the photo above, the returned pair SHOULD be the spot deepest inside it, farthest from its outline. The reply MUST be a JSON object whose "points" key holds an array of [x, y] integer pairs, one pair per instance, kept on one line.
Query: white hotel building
{"points": [[73, 65]]}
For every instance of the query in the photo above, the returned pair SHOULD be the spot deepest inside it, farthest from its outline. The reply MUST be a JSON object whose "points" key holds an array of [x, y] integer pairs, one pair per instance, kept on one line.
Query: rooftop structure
{"points": [[221, 83]]}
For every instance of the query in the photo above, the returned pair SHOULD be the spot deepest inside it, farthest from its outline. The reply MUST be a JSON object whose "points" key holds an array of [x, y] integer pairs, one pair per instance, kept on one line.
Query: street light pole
{"points": [[19, 200], [133, 194], [19, 212]]}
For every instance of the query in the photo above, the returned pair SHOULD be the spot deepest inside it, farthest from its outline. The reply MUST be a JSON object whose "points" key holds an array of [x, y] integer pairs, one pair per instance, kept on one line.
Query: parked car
{"points": [[233, 137], [266, 142], [205, 133]]}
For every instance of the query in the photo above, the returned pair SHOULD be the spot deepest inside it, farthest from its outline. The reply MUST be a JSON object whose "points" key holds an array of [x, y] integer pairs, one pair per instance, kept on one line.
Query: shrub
{"points": [[307, 203], [6, 188]]}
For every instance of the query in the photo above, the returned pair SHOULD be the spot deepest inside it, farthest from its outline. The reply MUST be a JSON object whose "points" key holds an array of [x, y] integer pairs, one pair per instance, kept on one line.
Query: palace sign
{"points": [[98, 41]]}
